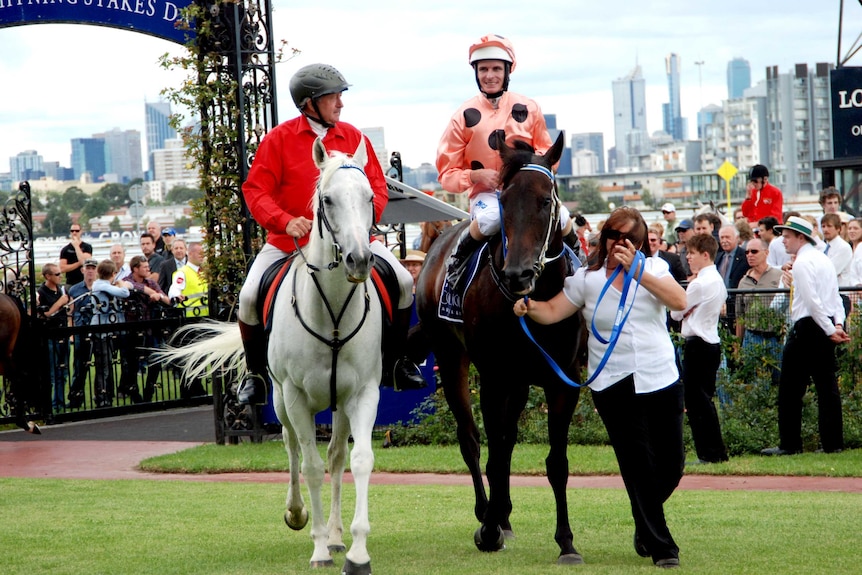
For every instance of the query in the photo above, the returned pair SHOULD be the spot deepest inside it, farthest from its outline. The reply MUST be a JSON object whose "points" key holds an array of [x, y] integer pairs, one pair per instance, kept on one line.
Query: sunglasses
{"points": [[616, 235], [755, 252], [74, 231], [666, 212]]}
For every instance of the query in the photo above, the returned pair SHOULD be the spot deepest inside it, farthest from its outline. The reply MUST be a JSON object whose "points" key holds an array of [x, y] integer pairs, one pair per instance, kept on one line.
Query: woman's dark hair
{"points": [[618, 219]]}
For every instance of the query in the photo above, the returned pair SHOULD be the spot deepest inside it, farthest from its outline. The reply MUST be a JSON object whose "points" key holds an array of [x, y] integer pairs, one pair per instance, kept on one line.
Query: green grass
{"points": [[527, 460], [65, 527]]}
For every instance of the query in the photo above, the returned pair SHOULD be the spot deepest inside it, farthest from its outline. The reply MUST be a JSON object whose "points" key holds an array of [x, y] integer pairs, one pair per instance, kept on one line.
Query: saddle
{"points": [[452, 296], [382, 275]]}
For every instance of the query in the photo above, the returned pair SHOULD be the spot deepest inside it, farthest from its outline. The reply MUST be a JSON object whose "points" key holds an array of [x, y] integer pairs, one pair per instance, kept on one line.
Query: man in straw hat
{"points": [[817, 315]]}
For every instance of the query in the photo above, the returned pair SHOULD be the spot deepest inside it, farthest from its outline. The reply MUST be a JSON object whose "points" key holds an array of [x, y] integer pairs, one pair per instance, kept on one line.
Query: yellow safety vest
{"points": [[190, 283]]}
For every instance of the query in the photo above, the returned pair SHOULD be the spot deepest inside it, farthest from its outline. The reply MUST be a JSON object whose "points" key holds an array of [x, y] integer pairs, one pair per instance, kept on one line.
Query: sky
{"points": [[407, 62]]}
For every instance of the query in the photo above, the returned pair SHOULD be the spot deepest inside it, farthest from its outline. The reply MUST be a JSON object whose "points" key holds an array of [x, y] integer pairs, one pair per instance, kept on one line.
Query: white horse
{"points": [[324, 350]]}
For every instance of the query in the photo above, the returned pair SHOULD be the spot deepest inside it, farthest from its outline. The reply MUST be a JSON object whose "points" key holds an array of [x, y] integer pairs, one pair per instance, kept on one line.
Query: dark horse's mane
{"points": [[522, 154]]}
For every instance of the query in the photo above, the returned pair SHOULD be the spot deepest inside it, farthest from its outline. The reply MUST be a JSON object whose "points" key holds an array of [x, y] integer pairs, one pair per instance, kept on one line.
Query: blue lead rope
{"points": [[635, 273]]}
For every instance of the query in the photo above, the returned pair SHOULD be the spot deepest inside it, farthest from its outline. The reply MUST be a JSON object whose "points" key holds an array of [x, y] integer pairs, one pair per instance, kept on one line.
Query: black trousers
{"points": [[646, 433], [699, 368], [809, 355]]}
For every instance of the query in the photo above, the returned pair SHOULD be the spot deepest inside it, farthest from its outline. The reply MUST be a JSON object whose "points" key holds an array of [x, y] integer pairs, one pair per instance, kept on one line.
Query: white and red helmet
{"points": [[493, 47]]}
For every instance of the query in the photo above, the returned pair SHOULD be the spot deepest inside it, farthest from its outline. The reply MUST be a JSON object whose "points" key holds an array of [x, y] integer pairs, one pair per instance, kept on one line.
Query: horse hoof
{"points": [[33, 428], [340, 548], [496, 541], [570, 559], [297, 523], [508, 534], [351, 568], [324, 563]]}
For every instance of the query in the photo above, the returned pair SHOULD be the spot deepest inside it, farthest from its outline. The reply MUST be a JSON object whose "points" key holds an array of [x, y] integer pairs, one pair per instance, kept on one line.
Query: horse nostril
{"points": [[520, 279]]}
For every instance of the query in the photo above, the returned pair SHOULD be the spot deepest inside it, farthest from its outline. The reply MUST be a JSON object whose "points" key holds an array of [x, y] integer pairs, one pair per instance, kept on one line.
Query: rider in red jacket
{"points": [[763, 199], [278, 193]]}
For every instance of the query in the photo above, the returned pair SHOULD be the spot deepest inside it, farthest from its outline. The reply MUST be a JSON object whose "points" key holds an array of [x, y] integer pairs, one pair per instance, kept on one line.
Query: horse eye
{"points": [[327, 200]]}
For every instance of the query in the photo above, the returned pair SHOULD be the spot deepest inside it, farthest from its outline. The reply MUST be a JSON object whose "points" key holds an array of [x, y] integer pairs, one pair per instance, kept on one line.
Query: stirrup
{"points": [[406, 375], [252, 390]]}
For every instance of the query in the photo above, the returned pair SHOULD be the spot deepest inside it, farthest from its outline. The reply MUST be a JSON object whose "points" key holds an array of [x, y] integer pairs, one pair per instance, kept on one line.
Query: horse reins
{"points": [[335, 343]]}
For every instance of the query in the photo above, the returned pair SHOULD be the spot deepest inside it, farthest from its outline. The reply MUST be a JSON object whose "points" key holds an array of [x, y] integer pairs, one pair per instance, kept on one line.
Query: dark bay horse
{"points": [[490, 336], [15, 346]]}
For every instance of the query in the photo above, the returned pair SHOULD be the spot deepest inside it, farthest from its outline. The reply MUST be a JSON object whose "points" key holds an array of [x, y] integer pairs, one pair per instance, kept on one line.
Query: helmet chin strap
{"points": [[317, 119], [507, 66]]}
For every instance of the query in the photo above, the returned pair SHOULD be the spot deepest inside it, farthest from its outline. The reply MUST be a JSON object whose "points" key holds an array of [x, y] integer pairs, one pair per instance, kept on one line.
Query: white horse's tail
{"points": [[210, 345]]}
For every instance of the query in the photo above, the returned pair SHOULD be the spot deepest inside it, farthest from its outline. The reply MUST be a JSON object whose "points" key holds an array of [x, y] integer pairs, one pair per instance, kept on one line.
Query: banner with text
{"points": [[153, 17], [846, 112]]}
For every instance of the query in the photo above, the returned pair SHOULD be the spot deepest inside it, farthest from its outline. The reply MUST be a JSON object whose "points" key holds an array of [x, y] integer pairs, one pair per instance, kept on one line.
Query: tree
{"points": [[116, 195], [115, 226], [74, 199], [589, 198], [648, 199], [57, 220], [183, 195], [95, 207], [182, 223]]}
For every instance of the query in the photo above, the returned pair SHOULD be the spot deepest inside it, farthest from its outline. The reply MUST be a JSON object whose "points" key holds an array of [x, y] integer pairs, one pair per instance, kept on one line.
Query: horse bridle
{"points": [[322, 221], [541, 261]]}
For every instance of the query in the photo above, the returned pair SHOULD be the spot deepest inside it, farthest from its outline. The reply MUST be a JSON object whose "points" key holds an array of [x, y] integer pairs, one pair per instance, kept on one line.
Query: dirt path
{"points": [[99, 459]]}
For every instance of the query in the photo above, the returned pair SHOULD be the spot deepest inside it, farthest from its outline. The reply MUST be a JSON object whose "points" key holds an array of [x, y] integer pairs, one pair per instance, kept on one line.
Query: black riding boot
{"points": [[404, 372], [457, 262], [252, 389]]}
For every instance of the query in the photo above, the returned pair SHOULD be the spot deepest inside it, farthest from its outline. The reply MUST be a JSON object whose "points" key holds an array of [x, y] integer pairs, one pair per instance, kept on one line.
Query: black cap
{"points": [[757, 171]]}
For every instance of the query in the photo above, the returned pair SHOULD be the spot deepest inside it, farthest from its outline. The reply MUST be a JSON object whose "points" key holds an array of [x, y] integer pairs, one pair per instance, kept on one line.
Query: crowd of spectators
{"points": [[164, 280]]}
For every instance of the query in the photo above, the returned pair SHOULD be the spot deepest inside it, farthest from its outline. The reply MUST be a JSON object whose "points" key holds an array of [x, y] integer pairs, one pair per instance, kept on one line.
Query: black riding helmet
{"points": [[313, 81]]}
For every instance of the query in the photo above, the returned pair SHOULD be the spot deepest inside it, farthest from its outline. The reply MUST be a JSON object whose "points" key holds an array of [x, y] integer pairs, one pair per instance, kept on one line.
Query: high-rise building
{"points": [[593, 141], [564, 167], [630, 126], [377, 137], [799, 119], [171, 163], [736, 132], [158, 128], [24, 165], [123, 151], [674, 124], [738, 77], [89, 156]]}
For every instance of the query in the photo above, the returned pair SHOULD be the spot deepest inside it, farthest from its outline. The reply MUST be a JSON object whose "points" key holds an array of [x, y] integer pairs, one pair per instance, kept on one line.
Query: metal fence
{"points": [[754, 327]]}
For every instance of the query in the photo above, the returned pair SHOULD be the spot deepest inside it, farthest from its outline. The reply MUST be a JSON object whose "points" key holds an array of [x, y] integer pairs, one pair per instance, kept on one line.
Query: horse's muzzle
{"points": [[521, 282]]}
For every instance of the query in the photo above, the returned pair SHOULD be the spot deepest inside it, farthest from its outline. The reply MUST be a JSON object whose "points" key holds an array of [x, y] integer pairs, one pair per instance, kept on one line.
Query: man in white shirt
{"points": [[809, 353], [705, 296], [838, 250], [778, 256]]}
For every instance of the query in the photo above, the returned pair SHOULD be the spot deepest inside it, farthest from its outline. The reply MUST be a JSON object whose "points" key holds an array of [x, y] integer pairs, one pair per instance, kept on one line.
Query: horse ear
{"points": [[502, 147], [318, 151], [360, 156], [553, 155]]}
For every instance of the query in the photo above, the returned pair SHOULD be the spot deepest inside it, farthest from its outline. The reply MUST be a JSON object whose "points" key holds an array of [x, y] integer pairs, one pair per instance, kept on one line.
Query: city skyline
{"points": [[410, 79]]}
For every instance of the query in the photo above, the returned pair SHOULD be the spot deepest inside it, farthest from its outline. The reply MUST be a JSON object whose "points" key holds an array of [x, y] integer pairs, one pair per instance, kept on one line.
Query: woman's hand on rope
{"points": [[521, 307]]}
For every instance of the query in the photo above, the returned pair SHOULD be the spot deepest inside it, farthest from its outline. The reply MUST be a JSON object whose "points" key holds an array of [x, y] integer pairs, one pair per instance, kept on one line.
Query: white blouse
{"points": [[644, 348]]}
